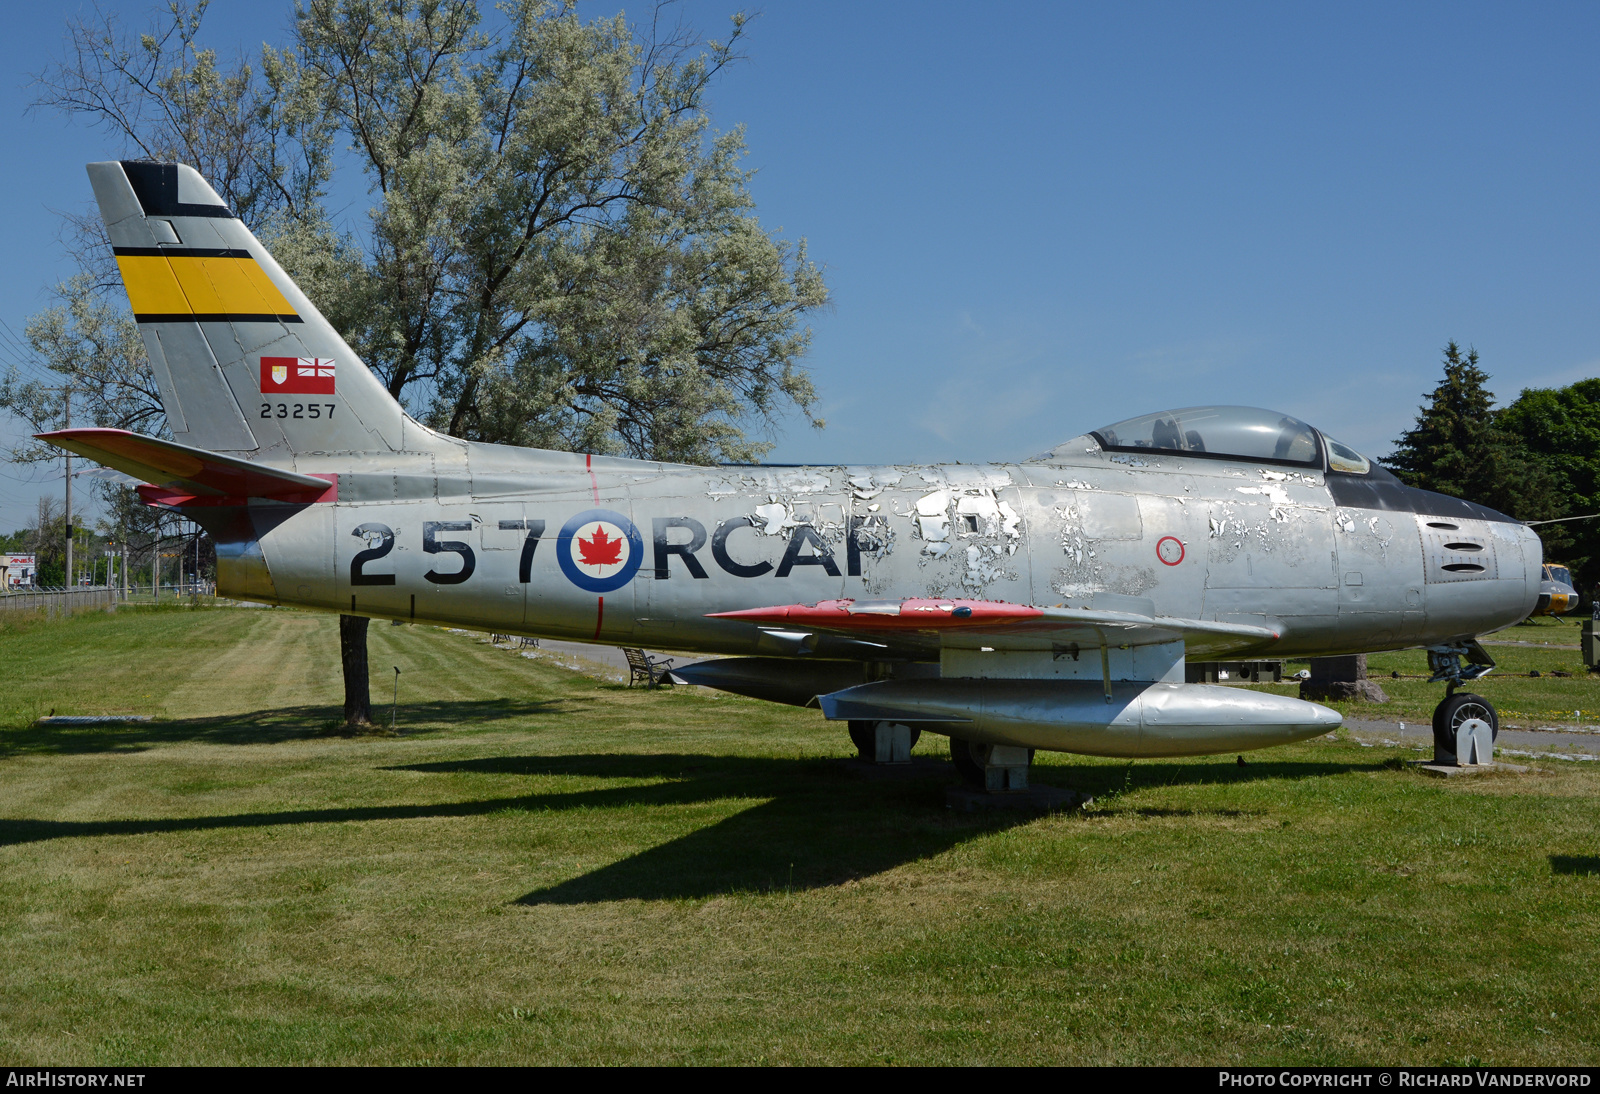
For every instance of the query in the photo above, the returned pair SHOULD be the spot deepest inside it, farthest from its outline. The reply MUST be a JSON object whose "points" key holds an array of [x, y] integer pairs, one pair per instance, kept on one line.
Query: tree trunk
{"points": [[353, 655]]}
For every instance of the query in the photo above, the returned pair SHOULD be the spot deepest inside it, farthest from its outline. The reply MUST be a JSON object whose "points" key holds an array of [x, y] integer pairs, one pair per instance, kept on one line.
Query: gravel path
{"points": [[1564, 742]]}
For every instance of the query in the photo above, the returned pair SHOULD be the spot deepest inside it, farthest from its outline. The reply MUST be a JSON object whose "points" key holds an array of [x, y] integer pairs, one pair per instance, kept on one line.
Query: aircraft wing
{"points": [[184, 471], [932, 623]]}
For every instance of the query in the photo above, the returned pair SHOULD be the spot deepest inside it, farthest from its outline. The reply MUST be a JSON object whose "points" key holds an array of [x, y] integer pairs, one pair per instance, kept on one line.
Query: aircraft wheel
{"points": [[864, 735], [971, 758], [1456, 709]]}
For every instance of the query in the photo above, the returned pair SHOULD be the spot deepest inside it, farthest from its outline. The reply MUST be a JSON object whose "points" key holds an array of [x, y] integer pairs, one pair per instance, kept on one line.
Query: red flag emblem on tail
{"points": [[297, 376]]}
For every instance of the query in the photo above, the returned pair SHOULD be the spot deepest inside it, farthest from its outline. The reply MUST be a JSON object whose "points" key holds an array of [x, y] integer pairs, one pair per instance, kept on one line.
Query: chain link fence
{"points": [[96, 597]]}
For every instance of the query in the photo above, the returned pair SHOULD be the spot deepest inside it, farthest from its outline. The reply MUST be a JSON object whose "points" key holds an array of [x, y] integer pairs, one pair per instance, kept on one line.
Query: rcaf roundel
{"points": [[297, 375], [599, 550]]}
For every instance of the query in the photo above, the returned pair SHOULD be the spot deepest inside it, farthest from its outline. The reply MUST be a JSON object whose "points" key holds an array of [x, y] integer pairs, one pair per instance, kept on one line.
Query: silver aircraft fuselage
{"points": [[498, 541]]}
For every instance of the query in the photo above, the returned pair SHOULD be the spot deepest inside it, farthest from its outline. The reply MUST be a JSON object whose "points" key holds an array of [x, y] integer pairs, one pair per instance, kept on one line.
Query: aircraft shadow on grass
{"points": [[269, 726], [1582, 865], [812, 823]]}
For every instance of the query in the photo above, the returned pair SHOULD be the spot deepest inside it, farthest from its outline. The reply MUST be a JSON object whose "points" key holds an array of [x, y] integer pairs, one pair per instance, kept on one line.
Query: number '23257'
{"points": [[297, 410]]}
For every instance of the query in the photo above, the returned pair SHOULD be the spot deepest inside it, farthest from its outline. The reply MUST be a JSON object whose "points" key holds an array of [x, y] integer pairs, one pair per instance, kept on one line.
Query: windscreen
{"points": [[1341, 457]]}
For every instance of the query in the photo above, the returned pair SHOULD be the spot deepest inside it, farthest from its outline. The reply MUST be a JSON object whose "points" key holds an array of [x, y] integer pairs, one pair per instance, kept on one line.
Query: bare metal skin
{"points": [[322, 493]]}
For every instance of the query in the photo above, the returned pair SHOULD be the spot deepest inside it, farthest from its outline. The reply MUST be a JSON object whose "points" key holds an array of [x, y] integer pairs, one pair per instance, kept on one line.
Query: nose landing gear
{"points": [[1455, 664], [1456, 712]]}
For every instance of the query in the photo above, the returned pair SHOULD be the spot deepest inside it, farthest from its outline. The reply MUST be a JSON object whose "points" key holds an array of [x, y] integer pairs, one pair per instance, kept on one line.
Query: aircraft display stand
{"points": [[997, 778], [1473, 753], [1464, 724], [883, 743], [883, 751]]}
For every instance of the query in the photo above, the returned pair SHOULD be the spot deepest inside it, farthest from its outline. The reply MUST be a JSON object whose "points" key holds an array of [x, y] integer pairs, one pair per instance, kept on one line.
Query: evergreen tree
{"points": [[1458, 447]]}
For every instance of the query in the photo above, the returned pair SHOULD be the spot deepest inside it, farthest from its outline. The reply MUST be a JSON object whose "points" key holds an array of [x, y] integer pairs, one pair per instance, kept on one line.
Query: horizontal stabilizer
{"points": [[185, 471]]}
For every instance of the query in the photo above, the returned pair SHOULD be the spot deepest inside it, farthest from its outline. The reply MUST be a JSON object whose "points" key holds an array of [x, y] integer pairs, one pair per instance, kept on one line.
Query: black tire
{"points": [[864, 736], [968, 766], [1457, 708], [971, 758]]}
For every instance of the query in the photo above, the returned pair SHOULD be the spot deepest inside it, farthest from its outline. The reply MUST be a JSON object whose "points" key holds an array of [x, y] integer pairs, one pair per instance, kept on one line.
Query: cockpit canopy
{"points": [[1231, 433], [1241, 432]]}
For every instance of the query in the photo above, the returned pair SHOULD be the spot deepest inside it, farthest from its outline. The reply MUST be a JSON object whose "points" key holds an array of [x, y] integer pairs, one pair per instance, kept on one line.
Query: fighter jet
{"points": [[1049, 603]]}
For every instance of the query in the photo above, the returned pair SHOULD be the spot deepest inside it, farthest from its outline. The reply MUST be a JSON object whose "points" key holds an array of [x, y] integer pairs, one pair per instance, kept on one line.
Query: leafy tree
{"points": [[561, 251], [1458, 447], [93, 348], [1560, 427]]}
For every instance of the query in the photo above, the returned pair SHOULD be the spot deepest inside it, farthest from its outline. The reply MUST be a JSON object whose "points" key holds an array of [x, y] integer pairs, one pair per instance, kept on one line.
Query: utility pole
{"points": [[66, 397]]}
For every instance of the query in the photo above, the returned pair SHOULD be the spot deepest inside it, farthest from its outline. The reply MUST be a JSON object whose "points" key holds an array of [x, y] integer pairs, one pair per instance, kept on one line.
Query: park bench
{"points": [[643, 667]]}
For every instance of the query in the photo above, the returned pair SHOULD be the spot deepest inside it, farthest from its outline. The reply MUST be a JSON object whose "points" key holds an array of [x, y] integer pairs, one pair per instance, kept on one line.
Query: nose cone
{"points": [[1482, 568], [1323, 719]]}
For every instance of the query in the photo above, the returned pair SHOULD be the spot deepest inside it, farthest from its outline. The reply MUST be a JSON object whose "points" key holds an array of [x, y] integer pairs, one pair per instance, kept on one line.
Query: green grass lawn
{"points": [[543, 868]]}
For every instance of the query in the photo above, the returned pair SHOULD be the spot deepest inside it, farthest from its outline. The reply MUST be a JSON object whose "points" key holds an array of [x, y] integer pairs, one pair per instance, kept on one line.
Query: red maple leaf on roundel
{"points": [[600, 549]]}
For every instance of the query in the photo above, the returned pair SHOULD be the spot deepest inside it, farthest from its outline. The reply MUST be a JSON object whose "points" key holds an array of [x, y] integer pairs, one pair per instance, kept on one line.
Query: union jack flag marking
{"points": [[297, 375]]}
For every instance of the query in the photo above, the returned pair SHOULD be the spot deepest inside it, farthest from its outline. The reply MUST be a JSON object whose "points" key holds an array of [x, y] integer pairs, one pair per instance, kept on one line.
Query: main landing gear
{"points": [[883, 742], [991, 767], [1462, 710]]}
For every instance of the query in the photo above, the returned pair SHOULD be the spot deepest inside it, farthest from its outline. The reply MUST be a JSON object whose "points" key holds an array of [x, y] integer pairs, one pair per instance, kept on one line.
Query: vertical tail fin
{"points": [[244, 362]]}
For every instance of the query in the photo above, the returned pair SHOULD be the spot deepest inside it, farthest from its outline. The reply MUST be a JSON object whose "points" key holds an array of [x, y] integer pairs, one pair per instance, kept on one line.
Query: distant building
{"points": [[18, 571]]}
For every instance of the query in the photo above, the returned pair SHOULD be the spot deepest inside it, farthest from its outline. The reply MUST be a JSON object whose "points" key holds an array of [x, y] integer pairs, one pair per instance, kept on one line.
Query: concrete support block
{"points": [[1341, 678], [892, 743], [1007, 769]]}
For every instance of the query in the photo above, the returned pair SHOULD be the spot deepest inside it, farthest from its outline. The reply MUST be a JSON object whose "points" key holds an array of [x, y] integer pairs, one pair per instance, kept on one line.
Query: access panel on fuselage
{"points": [[508, 542], [1270, 554], [1085, 541], [736, 538], [944, 531], [1381, 592]]}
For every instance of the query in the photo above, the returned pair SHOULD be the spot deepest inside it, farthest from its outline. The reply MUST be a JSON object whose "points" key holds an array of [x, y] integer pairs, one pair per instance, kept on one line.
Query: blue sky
{"points": [[1038, 218]]}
